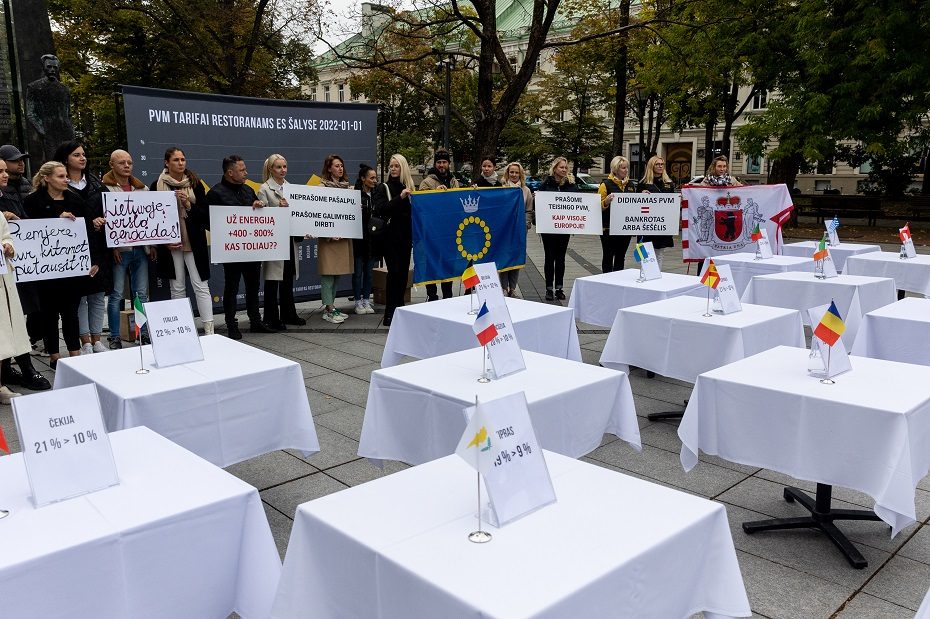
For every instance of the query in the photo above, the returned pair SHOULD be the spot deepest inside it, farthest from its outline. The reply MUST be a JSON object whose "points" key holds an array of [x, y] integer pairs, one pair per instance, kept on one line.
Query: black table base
{"points": [[822, 517], [667, 414]]}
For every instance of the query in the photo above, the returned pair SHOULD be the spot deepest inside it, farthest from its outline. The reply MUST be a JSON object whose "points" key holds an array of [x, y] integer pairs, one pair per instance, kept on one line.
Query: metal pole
{"points": [[448, 110]]}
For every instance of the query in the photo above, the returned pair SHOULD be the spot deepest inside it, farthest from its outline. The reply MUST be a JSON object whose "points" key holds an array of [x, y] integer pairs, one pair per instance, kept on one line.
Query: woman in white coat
{"points": [[14, 341], [279, 274]]}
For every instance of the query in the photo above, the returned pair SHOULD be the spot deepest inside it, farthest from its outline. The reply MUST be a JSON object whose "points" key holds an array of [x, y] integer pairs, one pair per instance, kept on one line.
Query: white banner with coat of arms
{"points": [[719, 220]]}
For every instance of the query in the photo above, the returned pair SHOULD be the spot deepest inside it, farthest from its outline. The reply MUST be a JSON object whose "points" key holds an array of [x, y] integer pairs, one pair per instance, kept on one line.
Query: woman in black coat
{"points": [[191, 253], [83, 182], [555, 245], [60, 297], [391, 200], [657, 180], [489, 177]]}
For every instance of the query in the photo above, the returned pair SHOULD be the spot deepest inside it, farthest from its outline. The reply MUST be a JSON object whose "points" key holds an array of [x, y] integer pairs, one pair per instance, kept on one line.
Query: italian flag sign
{"points": [[139, 316]]}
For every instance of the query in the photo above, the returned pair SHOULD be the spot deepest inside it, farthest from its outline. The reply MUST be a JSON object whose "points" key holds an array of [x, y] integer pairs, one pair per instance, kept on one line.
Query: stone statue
{"points": [[48, 108]]}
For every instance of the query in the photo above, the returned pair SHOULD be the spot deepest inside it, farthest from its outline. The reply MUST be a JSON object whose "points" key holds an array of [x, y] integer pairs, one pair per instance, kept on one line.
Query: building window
{"points": [[561, 116], [513, 63], [753, 164], [866, 167], [313, 93], [342, 93], [760, 100], [326, 93]]}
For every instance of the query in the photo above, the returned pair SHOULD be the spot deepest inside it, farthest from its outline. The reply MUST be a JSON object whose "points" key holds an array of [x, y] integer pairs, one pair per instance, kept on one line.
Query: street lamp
{"points": [[447, 62], [641, 98]]}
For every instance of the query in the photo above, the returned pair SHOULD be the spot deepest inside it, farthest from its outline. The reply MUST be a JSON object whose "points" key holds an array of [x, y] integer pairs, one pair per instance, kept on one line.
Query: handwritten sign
{"points": [[141, 218], [174, 335], [324, 212], [563, 212], [65, 444], [49, 248], [645, 214], [244, 234]]}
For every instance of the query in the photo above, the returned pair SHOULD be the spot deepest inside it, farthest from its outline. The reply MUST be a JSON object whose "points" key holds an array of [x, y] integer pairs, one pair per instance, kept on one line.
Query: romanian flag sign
{"points": [[711, 277], [821, 252], [831, 326], [456, 226]]}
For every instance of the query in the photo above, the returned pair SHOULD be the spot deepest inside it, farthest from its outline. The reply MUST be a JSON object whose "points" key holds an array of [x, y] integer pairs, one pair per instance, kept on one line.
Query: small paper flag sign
{"points": [[711, 277], [831, 326], [484, 326], [640, 253]]}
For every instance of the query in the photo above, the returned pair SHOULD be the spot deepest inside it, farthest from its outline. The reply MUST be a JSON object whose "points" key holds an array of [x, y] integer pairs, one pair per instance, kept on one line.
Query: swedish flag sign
{"points": [[455, 226]]}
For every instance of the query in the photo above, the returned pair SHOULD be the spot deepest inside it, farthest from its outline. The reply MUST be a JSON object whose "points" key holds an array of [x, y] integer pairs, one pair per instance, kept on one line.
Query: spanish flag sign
{"points": [[456, 226]]}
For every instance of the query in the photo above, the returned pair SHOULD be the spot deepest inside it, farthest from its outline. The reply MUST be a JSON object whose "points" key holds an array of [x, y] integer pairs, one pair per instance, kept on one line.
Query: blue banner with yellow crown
{"points": [[454, 226]]}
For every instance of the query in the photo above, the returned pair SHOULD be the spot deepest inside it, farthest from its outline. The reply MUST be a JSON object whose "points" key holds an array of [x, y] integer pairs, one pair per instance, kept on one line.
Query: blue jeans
{"points": [[136, 263], [361, 277]]}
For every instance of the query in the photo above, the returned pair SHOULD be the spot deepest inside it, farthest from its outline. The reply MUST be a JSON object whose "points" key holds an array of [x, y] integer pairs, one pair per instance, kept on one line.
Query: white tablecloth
{"points": [[896, 332], [431, 329], [912, 274], [805, 249], [238, 403], [674, 339], [177, 538], [870, 431], [612, 546], [924, 611], [744, 266], [854, 295], [597, 298], [414, 411]]}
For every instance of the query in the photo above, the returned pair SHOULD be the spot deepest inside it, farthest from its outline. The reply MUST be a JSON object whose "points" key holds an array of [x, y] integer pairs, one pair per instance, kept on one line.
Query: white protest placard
{"points": [[49, 248], [65, 444], [726, 291], [324, 212], [765, 247], [518, 481], [565, 212], [173, 333], [504, 350], [244, 234], [645, 214], [141, 218], [648, 265], [825, 361]]}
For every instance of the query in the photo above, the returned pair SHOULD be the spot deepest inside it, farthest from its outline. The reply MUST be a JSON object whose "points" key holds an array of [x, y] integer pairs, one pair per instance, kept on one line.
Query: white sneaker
{"points": [[360, 307], [339, 316], [330, 317], [87, 349], [368, 308], [99, 346], [6, 395]]}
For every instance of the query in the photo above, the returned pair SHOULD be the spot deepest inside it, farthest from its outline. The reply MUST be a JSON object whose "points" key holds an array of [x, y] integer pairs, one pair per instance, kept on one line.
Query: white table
{"points": [[238, 403], [896, 332], [674, 339], [177, 538], [744, 266], [414, 411], [611, 546], [854, 295], [839, 253], [597, 298], [912, 274], [431, 329], [924, 611], [870, 431]]}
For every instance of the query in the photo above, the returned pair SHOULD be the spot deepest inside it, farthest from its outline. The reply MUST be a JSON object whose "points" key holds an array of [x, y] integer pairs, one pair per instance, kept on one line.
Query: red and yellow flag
{"points": [[711, 277], [470, 277]]}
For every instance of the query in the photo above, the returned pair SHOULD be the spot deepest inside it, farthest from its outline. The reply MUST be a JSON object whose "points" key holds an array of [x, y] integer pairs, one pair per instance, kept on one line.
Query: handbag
{"points": [[378, 223]]}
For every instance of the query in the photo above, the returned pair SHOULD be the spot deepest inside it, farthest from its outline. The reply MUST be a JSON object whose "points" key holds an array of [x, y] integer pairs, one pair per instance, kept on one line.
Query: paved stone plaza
{"points": [[787, 574]]}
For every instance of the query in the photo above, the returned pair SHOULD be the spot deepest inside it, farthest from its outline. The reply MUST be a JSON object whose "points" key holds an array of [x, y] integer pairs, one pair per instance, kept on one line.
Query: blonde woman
{"points": [[657, 180], [391, 200], [555, 245], [514, 176], [279, 275], [614, 247]]}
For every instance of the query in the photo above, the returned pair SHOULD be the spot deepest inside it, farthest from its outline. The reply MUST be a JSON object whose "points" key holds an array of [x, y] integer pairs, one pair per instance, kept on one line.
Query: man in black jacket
{"points": [[232, 191]]}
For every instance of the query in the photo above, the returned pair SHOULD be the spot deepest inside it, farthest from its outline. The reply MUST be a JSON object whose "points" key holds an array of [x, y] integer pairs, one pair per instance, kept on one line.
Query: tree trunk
{"points": [[785, 170], [660, 118], [576, 143], [709, 138], [620, 91]]}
